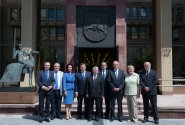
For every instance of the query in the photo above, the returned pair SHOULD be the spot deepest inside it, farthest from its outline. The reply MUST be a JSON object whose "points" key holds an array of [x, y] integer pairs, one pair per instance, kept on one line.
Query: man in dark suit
{"points": [[57, 93], [116, 84], [45, 81], [148, 81], [94, 91], [80, 81], [104, 73]]}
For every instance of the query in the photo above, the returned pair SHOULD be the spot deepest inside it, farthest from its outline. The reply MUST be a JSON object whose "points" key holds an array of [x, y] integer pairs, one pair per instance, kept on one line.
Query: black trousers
{"points": [[56, 103], [107, 104], [153, 100], [119, 98], [80, 99], [41, 112], [91, 103]]}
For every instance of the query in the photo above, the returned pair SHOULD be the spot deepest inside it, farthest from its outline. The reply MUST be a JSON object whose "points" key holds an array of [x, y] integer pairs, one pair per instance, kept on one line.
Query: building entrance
{"points": [[94, 56]]}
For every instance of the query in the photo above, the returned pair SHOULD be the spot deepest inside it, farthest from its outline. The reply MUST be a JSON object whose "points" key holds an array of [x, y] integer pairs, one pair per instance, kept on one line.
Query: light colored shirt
{"points": [[59, 81], [131, 83]]}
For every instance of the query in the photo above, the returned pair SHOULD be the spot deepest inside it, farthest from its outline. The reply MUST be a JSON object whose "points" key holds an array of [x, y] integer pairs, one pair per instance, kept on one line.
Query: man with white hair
{"points": [[94, 91], [148, 82]]}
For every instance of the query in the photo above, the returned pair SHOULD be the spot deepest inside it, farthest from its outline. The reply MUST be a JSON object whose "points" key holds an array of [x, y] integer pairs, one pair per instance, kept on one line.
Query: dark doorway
{"points": [[94, 56]]}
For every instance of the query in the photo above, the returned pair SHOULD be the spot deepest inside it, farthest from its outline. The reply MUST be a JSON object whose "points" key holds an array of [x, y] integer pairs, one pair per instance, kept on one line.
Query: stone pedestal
{"points": [[120, 26], [164, 44], [18, 95]]}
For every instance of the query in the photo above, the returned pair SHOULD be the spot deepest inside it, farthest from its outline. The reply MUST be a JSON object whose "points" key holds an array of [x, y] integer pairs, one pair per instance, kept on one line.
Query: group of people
{"points": [[101, 84]]}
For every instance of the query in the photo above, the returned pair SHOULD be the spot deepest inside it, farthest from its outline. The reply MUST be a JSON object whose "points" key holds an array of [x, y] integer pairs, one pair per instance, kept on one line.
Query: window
{"points": [[142, 33], [151, 12], [14, 13], [57, 33], [175, 34], [128, 13], [43, 14], [18, 33], [143, 13], [52, 33], [135, 13], [60, 14], [51, 14], [134, 34], [60, 34], [179, 15], [43, 34]]}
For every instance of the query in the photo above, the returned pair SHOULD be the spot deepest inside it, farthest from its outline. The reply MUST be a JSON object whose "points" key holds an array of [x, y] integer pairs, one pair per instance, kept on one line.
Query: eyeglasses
{"points": [[103, 65]]}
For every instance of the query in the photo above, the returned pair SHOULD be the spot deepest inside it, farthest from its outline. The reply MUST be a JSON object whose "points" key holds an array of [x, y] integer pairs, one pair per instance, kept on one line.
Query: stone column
{"points": [[28, 31], [164, 44], [0, 36]]}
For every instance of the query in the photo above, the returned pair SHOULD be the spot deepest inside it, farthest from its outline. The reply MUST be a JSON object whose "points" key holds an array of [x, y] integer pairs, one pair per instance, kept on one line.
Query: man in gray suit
{"points": [[57, 93]]}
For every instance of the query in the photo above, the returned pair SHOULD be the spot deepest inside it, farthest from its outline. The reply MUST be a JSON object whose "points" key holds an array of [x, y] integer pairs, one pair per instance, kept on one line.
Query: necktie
{"points": [[56, 80], [147, 73], [47, 75], [104, 74], [116, 73], [83, 75], [94, 77]]}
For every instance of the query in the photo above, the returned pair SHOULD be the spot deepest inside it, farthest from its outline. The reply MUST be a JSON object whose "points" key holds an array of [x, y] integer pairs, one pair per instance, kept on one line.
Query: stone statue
{"points": [[23, 66]]}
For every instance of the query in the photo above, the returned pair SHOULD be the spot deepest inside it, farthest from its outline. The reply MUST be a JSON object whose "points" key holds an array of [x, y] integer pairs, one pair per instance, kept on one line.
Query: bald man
{"points": [[148, 81]]}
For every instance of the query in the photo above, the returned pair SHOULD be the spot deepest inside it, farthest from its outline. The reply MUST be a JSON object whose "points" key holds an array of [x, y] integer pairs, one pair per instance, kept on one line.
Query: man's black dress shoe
{"points": [[90, 118], [156, 122], [52, 118], [97, 119], [60, 117], [145, 120], [47, 120], [78, 118], [111, 119], [106, 117], [121, 119], [40, 121]]}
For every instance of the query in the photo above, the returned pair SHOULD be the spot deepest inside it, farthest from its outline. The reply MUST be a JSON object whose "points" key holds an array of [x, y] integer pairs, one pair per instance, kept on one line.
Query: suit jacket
{"points": [[42, 81], [106, 83], [116, 83], [149, 81], [80, 82], [60, 76], [95, 88], [68, 81]]}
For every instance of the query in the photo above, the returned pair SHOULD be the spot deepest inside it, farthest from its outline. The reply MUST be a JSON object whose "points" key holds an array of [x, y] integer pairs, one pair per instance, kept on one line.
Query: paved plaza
{"points": [[32, 120]]}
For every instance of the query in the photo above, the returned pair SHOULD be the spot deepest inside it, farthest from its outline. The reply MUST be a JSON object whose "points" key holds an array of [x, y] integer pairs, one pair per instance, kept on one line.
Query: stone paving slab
{"points": [[32, 120]]}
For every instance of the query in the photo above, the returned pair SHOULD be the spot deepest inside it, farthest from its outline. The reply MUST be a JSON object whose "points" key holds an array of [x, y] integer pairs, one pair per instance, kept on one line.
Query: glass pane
{"points": [[14, 13], [127, 13], [60, 14], [51, 14], [175, 34], [143, 12], [151, 13], [43, 33], [52, 33], [179, 15], [142, 33], [43, 14], [134, 33], [135, 13], [60, 34]]}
